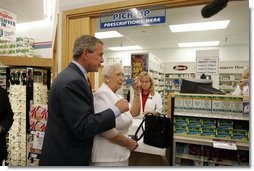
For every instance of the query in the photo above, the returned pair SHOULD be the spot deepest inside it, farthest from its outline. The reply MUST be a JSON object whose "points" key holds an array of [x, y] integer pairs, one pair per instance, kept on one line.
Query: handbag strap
{"points": [[136, 138]]}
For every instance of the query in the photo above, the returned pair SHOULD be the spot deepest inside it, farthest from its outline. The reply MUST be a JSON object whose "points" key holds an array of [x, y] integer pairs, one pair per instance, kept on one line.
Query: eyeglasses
{"points": [[119, 74], [145, 82]]}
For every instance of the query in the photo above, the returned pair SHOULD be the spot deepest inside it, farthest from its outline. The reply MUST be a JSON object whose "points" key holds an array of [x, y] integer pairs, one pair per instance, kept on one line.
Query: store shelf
{"points": [[206, 159], [228, 81], [208, 141], [214, 115], [185, 132], [26, 61]]}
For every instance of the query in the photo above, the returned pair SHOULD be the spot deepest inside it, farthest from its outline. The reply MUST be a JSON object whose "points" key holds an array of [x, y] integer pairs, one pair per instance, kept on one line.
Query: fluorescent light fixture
{"points": [[213, 25], [107, 34], [119, 48], [199, 44]]}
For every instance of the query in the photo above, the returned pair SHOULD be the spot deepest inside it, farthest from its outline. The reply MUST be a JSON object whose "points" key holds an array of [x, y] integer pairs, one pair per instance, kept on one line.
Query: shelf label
{"points": [[224, 144]]}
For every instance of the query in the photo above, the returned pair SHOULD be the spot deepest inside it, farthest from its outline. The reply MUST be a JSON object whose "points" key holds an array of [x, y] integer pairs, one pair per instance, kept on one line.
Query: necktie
{"points": [[89, 83]]}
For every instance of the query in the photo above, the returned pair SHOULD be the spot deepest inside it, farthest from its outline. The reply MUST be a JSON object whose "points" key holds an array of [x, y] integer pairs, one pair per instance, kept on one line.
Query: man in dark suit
{"points": [[72, 123], [6, 120]]}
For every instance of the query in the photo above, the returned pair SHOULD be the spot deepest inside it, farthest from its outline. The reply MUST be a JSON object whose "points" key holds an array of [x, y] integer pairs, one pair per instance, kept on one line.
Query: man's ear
{"points": [[85, 54]]}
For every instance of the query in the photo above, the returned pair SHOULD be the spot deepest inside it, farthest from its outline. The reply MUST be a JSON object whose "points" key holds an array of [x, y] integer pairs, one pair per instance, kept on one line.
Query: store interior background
{"points": [[157, 40]]}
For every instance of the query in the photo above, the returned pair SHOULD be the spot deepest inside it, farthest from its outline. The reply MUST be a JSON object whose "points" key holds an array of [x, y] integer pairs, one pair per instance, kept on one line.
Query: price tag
{"points": [[224, 144]]}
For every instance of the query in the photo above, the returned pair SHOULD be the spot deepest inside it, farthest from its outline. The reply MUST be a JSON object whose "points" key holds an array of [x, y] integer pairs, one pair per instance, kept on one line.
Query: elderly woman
{"points": [[112, 148]]}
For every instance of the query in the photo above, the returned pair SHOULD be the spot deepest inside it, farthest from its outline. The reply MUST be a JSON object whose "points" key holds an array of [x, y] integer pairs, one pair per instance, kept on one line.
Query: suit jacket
{"points": [[72, 123], [6, 120]]}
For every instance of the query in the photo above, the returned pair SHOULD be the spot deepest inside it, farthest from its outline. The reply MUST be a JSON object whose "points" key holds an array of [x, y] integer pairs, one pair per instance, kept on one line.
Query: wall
{"points": [[226, 53], [43, 31]]}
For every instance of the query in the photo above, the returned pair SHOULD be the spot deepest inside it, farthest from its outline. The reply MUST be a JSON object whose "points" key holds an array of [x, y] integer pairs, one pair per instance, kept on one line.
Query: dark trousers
{"points": [[1, 162]]}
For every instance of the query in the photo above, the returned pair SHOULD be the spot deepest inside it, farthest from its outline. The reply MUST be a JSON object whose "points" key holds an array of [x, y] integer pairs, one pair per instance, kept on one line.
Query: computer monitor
{"points": [[198, 86]]}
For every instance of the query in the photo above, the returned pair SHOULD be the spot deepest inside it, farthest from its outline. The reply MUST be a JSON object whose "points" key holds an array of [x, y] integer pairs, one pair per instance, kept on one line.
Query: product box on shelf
{"points": [[208, 132], [187, 103], [194, 122], [208, 123], [197, 104], [193, 130], [227, 105], [217, 103], [237, 105], [207, 104], [179, 103], [240, 134], [223, 133], [180, 129], [179, 120], [225, 124]]}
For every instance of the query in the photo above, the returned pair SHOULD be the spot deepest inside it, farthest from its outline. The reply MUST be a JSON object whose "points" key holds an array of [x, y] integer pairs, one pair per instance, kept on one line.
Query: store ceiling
{"points": [[157, 36], [26, 10]]}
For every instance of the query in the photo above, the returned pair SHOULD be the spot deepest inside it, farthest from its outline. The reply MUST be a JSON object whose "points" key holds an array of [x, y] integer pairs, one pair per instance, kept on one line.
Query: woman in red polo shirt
{"points": [[151, 101]]}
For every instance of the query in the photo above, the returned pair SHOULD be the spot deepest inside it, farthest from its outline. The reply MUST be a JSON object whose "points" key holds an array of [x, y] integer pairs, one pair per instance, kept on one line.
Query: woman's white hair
{"points": [[109, 68]]}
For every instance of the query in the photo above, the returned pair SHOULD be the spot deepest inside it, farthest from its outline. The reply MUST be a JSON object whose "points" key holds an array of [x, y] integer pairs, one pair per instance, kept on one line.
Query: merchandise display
{"points": [[229, 81], [202, 122], [38, 122], [40, 93], [17, 133], [23, 46], [28, 88], [3, 77], [159, 79]]}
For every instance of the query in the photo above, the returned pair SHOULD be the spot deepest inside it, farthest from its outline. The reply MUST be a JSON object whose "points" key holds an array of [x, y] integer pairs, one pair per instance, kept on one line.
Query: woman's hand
{"points": [[136, 85], [132, 145]]}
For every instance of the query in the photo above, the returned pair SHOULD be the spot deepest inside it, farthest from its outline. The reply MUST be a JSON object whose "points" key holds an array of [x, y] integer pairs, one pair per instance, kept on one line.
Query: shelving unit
{"points": [[24, 90], [159, 79], [26, 61], [173, 81], [196, 134], [3, 77], [228, 81]]}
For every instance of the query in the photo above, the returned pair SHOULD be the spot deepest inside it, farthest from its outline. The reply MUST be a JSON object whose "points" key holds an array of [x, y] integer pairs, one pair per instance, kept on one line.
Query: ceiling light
{"points": [[213, 25], [119, 48], [199, 44], [107, 34]]}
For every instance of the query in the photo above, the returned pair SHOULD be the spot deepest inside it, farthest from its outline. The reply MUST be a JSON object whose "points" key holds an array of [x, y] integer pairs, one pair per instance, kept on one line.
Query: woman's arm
{"points": [[135, 107], [116, 137], [124, 141]]}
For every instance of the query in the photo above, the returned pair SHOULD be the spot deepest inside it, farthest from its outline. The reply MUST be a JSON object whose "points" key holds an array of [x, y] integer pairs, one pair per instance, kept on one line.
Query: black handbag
{"points": [[156, 132]]}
